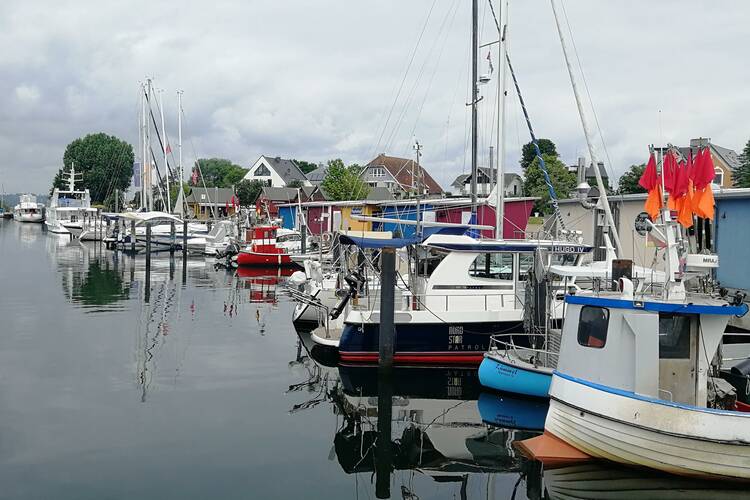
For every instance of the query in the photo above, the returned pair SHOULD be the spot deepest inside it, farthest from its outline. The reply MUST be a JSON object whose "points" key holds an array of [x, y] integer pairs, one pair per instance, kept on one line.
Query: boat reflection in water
{"points": [[264, 283], [605, 480], [436, 422]]}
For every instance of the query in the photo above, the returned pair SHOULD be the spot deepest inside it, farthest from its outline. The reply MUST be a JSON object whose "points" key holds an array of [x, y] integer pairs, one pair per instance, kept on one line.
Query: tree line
{"points": [[106, 167]]}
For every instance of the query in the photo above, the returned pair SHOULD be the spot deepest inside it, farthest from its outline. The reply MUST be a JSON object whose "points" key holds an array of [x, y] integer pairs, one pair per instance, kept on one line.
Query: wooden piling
{"points": [[132, 236], [172, 242], [303, 232], [383, 448], [387, 334], [184, 239]]}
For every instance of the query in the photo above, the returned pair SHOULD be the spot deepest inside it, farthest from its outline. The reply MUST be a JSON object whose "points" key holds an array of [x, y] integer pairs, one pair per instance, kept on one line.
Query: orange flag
{"points": [[685, 215], [654, 203], [705, 205]]}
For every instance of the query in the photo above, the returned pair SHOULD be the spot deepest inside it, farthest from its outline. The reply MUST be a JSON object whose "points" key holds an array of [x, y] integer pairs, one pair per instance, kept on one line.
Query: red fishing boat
{"points": [[263, 249]]}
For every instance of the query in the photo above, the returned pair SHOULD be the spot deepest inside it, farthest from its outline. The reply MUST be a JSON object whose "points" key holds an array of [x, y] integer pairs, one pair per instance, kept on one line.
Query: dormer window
{"points": [[718, 176], [378, 172]]}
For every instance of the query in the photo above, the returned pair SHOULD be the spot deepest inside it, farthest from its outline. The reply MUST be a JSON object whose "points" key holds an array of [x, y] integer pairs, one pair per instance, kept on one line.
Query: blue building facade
{"points": [[732, 240]]}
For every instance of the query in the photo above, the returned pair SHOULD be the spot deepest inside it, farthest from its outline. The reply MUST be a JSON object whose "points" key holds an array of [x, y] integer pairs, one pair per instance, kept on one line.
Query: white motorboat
{"points": [[28, 210], [637, 378], [68, 208]]}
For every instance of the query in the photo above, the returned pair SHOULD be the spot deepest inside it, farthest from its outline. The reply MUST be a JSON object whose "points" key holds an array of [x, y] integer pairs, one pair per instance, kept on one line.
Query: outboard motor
{"points": [[354, 283]]}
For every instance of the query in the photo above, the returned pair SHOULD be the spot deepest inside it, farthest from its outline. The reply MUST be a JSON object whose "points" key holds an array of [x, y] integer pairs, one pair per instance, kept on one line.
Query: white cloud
{"points": [[316, 80]]}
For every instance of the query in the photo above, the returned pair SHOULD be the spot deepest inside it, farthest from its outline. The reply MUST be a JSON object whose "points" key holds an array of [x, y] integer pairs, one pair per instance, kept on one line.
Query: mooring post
{"points": [[303, 232], [148, 243], [184, 239], [147, 291], [171, 238], [387, 334], [132, 236]]}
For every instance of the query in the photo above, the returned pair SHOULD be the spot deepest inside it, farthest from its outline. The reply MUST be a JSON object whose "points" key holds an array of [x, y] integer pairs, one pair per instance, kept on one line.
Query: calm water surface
{"points": [[198, 386]]}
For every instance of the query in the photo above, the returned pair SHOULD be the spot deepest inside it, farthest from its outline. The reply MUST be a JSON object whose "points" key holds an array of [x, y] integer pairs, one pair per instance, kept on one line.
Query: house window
{"points": [[262, 171], [592, 326], [497, 266], [718, 176], [378, 172], [515, 189]]}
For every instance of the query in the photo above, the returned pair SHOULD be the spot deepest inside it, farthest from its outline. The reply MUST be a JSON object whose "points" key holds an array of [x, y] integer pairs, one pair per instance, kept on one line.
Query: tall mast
{"points": [[143, 147], [587, 133], [164, 149], [179, 139], [474, 98], [502, 83]]}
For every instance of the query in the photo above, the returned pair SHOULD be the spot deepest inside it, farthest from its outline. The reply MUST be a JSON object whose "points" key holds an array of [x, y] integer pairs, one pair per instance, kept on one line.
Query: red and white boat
{"points": [[264, 250]]}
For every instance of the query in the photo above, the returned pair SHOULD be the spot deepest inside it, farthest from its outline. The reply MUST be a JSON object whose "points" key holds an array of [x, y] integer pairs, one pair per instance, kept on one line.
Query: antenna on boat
{"points": [[587, 134]]}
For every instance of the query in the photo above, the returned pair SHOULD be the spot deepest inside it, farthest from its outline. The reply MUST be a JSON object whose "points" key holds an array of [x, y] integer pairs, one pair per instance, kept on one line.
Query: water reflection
{"points": [[420, 432], [606, 480]]}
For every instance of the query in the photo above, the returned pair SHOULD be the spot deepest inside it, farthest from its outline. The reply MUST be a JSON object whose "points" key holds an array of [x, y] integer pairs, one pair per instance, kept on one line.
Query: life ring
{"points": [[326, 237]]}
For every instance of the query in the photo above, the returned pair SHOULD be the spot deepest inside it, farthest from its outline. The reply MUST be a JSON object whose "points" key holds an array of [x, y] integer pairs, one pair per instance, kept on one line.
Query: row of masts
{"points": [[147, 124]]}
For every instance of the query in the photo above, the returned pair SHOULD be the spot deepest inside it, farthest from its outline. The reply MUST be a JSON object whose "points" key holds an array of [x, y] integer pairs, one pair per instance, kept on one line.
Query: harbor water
{"points": [[188, 381]]}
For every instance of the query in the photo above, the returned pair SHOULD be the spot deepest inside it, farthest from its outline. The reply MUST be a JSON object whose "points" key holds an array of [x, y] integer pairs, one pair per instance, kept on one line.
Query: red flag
{"points": [[168, 150], [681, 180], [650, 179], [195, 177], [704, 169], [669, 171]]}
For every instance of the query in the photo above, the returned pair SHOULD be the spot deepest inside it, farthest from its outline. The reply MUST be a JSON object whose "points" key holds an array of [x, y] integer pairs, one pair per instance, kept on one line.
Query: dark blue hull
{"points": [[426, 343]]}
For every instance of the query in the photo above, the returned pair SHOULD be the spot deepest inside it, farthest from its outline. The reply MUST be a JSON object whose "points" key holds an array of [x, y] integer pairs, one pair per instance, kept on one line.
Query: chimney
{"points": [[277, 159], [581, 169]]}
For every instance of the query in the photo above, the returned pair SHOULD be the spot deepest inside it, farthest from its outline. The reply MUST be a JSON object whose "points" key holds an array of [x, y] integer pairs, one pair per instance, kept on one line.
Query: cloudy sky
{"points": [[325, 79]]}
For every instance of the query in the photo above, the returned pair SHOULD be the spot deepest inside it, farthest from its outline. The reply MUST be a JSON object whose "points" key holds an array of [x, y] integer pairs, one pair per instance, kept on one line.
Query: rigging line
{"points": [[437, 64], [543, 166], [403, 80], [197, 164], [405, 105], [610, 167]]}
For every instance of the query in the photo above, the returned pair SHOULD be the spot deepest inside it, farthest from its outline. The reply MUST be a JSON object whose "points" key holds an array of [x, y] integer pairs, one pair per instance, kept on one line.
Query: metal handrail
{"points": [[510, 345]]}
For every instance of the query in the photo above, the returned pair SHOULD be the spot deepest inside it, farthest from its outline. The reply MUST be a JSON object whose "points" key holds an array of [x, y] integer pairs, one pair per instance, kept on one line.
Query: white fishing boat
{"points": [[28, 210], [637, 380]]}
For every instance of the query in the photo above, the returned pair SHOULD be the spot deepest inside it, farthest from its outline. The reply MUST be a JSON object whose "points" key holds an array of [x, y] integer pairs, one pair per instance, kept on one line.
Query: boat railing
{"points": [[504, 344], [454, 301]]}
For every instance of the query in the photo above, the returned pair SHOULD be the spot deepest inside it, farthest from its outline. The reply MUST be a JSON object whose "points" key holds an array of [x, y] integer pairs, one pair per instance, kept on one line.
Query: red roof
{"points": [[401, 169]]}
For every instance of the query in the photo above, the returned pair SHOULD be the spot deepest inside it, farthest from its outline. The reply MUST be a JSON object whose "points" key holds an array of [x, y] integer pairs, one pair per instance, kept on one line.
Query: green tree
{"points": [[344, 183], [105, 162], [305, 166], [220, 172], [534, 184], [295, 183], [628, 182], [248, 191], [741, 174], [528, 152]]}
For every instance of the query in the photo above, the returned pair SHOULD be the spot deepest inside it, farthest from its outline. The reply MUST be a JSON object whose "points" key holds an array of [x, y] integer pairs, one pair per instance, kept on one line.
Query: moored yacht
{"points": [[28, 210], [68, 208], [477, 289]]}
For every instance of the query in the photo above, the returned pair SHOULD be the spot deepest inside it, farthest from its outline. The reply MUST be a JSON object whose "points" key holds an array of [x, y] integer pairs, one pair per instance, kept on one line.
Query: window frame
{"points": [[588, 340]]}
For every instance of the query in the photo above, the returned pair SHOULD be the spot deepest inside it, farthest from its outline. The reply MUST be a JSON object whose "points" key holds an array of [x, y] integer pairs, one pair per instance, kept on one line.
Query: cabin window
{"points": [[592, 326], [674, 336], [498, 266], [525, 262]]}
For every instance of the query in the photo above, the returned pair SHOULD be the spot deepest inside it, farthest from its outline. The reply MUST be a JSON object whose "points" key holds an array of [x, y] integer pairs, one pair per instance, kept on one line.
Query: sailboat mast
{"points": [[143, 146], [179, 139], [587, 133], [502, 83], [164, 149], [474, 98]]}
